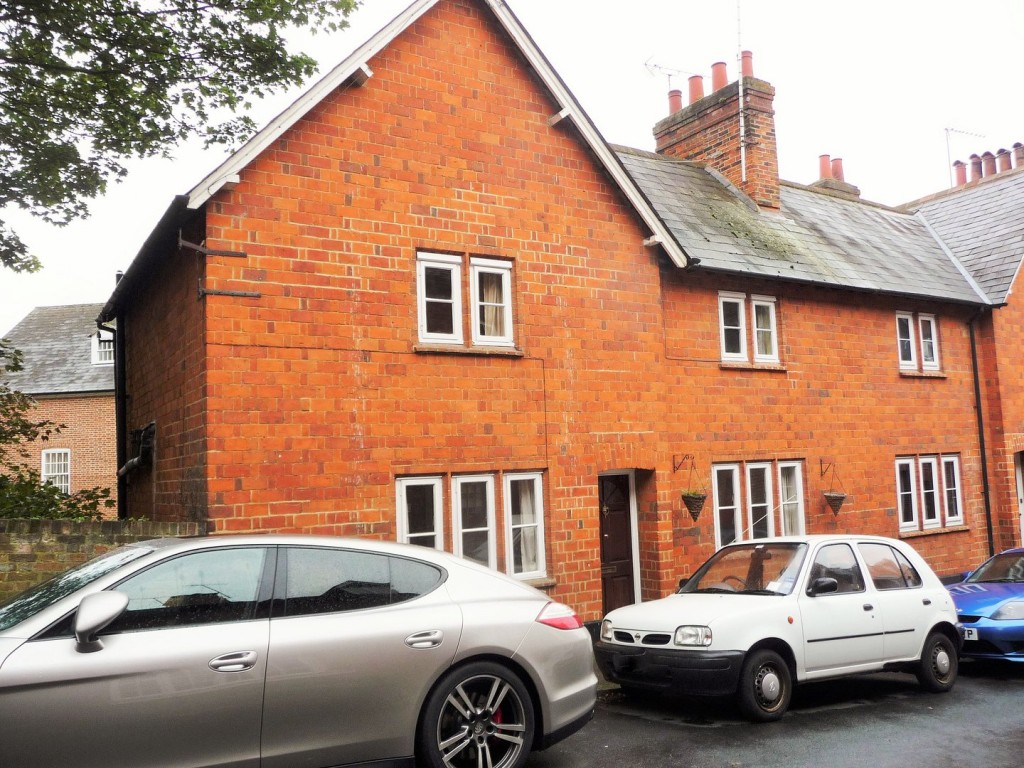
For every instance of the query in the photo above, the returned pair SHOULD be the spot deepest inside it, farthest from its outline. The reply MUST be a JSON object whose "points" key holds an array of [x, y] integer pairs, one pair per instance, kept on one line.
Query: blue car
{"points": [[990, 604]]}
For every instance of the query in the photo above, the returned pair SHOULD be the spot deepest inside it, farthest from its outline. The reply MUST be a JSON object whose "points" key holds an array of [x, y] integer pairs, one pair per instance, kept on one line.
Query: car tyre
{"points": [[766, 686], [477, 714], [938, 668]]}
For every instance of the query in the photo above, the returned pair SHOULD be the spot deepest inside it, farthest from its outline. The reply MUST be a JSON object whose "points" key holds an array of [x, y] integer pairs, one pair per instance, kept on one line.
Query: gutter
{"points": [[120, 415]]}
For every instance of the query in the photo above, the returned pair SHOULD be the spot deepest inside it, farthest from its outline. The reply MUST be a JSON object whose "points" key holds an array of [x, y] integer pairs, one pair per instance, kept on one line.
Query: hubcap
{"points": [[770, 687], [942, 662]]}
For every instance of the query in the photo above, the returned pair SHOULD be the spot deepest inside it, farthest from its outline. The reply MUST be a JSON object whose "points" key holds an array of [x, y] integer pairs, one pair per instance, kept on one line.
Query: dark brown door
{"points": [[616, 542]]}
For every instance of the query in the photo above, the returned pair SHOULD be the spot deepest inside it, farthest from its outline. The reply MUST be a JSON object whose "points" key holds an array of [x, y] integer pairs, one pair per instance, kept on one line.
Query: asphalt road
{"points": [[875, 721]]}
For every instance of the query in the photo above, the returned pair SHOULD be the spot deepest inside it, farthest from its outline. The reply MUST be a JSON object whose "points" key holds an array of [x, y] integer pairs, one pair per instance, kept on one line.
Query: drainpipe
{"points": [[986, 490], [120, 415]]}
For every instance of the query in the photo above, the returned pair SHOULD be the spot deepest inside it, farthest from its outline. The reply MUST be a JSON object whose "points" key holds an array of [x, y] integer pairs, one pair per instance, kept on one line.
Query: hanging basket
{"points": [[694, 503], [835, 500]]}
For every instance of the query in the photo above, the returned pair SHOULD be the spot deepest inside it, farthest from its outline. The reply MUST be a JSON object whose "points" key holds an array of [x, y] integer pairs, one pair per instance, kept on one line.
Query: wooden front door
{"points": [[616, 541]]}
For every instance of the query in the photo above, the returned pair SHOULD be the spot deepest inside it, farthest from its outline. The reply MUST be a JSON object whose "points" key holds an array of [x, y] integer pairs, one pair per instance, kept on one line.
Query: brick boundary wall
{"points": [[34, 550]]}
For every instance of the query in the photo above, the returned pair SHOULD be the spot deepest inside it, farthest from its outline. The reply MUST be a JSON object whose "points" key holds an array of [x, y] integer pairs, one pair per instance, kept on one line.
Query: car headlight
{"points": [[699, 636], [606, 630], [1011, 611]]}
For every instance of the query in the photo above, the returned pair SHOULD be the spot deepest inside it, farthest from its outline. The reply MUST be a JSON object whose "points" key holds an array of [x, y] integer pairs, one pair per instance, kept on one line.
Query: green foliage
{"points": [[86, 84], [22, 492]]}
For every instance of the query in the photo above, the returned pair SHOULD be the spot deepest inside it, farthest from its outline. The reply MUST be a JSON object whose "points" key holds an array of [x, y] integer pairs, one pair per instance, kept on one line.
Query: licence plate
{"points": [[970, 634]]}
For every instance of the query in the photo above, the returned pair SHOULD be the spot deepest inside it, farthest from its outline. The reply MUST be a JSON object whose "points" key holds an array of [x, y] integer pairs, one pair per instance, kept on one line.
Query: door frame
{"points": [[1018, 471], [634, 539]]}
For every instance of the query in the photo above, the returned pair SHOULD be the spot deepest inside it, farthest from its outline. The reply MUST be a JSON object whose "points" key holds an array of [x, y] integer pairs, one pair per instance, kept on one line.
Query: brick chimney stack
{"points": [[708, 131]]}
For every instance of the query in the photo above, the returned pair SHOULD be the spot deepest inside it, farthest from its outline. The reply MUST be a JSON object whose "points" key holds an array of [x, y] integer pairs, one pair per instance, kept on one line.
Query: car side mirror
{"points": [[95, 613], [822, 586]]}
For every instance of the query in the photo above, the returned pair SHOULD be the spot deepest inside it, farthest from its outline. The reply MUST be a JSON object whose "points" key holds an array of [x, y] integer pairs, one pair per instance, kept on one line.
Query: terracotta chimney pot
{"points": [[746, 64], [1003, 160], [719, 76], [975, 168], [837, 169], [1018, 155], [824, 167], [961, 172], [696, 88], [989, 163], [675, 101]]}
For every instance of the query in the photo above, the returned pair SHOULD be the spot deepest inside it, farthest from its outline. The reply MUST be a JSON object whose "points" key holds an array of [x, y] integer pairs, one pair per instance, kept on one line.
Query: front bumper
{"points": [[996, 640], [685, 672]]}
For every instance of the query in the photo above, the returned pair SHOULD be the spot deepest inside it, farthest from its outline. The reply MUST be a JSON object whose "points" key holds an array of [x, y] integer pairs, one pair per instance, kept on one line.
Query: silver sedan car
{"points": [[279, 651]]}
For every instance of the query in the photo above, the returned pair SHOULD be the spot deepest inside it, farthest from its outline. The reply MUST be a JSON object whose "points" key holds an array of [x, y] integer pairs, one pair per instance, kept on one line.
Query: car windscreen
{"points": [[35, 599], [1006, 567], [753, 569]]}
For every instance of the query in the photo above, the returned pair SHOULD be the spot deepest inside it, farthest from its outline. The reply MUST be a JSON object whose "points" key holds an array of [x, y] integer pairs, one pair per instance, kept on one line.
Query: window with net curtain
{"points": [[524, 524], [492, 304]]}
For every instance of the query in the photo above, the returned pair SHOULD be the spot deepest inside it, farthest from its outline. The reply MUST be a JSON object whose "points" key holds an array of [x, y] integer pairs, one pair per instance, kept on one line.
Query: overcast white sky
{"points": [[875, 82]]}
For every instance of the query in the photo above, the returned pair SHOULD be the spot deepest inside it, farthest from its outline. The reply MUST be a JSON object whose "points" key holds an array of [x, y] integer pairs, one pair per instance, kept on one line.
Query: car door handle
{"points": [[239, 661], [868, 607], [927, 601], [429, 639]]}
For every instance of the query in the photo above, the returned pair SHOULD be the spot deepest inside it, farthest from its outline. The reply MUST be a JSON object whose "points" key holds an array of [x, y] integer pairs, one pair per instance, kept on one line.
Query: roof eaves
{"points": [[354, 69], [572, 110]]}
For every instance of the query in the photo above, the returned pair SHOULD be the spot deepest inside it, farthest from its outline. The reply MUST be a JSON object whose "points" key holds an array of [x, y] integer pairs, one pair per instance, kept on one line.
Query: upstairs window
{"points": [[917, 342], [103, 348], [439, 287], [440, 294], [56, 468], [733, 312]]}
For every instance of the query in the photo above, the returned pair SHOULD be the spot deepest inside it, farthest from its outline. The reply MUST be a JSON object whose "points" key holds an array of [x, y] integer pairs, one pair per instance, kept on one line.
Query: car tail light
{"points": [[559, 616]]}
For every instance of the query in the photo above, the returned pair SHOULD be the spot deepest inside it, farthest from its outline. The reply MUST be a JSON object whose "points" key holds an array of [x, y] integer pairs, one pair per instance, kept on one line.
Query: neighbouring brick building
{"points": [[68, 369], [430, 303]]}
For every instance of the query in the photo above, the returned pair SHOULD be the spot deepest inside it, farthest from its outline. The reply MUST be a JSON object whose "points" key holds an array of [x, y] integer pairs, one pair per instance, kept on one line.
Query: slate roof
{"points": [[983, 225], [56, 343], [817, 237]]}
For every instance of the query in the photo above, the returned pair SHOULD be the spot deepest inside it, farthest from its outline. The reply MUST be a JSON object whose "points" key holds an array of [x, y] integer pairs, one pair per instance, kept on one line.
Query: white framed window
{"points": [[905, 340], [929, 342], [928, 492], [906, 493], [473, 519], [103, 348], [56, 468], [524, 525], [759, 508], [791, 499], [725, 481], [420, 511], [917, 340], [951, 490], [766, 345], [491, 299], [929, 479], [759, 501], [439, 298], [733, 326]]}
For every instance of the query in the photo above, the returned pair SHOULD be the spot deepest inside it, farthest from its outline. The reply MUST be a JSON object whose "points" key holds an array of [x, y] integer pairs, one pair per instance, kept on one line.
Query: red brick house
{"points": [[68, 369], [430, 303]]}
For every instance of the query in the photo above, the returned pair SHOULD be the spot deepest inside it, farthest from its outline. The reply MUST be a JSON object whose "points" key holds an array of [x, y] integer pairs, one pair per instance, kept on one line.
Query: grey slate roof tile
{"points": [[56, 343], [816, 237], [983, 225]]}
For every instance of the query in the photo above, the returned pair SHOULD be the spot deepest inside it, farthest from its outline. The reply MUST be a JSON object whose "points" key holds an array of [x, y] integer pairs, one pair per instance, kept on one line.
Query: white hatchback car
{"points": [[763, 614]]}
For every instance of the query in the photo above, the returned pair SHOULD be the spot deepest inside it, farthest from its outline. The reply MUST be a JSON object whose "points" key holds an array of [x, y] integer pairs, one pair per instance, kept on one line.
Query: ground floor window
{"points": [[928, 492], [488, 514], [757, 499]]}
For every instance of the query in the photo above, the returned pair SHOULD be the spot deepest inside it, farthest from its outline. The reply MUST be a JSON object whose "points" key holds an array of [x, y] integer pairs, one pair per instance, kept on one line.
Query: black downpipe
{"points": [[986, 490], [120, 415]]}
